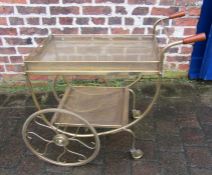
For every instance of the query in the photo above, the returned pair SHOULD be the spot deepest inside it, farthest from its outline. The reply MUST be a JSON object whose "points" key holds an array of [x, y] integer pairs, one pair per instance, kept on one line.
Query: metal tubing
{"points": [[162, 54], [133, 137], [133, 96], [156, 24], [135, 81], [158, 85], [29, 84]]}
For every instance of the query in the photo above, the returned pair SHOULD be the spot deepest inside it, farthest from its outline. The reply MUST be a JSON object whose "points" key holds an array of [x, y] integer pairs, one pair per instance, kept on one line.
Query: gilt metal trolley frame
{"points": [[108, 67]]}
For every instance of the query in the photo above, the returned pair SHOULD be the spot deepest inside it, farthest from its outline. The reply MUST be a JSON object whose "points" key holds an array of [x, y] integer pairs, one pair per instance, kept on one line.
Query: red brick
{"points": [[191, 136], [164, 11], [166, 2], [114, 21], [96, 10], [149, 30], [194, 11], [162, 40], [173, 163], [77, 1], [65, 31], [14, 68], [141, 2], [116, 164], [4, 59], [33, 21], [44, 1], [39, 77], [176, 58], [119, 31], [94, 30], [169, 30], [173, 66], [31, 10], [16, 59], [56, 10], [199, 156], [2, 68], [33, 30], [186, 50], [185, 2], [16, 21], [138, 30], [39, 40], [189, 121], [82, 21], [128, 21], [189, 31], [25, 50], [121, 10], [49, 21], [140, 11], [14, 1], [183, 67], [7, 50], [6, 10], [200, 171], [145, 168], [185, 21], [8, 31], [66, 20], [113, 1], [98, 21], [18, 41], [3, 21], [149, 21], [173, 50]]}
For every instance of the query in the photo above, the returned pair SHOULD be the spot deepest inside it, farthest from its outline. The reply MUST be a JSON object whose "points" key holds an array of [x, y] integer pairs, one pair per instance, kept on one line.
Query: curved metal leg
{"points": [[135, 112], [135, 153], [29, 84], [58, 97]]}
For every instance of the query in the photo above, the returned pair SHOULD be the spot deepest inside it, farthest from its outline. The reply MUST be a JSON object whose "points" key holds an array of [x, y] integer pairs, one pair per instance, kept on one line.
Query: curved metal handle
{"points": [[187, 40], [175, 15], [194, 38]]}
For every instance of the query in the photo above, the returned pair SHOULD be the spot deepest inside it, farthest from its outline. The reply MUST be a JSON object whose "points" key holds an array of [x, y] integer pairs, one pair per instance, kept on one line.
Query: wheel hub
{"points": [[61, 140]]}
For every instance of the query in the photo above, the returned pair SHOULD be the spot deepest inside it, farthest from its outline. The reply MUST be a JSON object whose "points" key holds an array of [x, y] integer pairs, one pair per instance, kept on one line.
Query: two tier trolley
{"points": [[69, 135]]}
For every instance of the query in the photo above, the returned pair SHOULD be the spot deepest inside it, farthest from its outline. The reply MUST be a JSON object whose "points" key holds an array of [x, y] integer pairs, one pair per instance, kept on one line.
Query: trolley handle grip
{"points": [[173, 16], [177, 15], [194, 38]]}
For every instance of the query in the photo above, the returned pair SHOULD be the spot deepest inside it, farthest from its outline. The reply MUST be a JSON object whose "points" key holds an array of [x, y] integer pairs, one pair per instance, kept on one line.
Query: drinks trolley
{"points": [[70, 133]]}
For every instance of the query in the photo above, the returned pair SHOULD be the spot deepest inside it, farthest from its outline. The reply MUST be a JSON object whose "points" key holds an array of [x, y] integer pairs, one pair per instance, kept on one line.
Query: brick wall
{"points": [[24, 23]]}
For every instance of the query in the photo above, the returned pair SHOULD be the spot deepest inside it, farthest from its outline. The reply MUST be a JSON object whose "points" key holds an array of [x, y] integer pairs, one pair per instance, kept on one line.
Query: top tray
{"points": [[88, 54]]}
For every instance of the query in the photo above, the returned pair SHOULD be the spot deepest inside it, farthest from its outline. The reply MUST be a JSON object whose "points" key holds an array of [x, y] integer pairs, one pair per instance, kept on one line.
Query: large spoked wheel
{"points": [[58, 142]]}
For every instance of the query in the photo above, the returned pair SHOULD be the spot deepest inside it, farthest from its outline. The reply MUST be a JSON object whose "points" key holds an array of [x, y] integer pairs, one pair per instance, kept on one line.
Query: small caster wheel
{"points": [[136, 153], [136, 113]]}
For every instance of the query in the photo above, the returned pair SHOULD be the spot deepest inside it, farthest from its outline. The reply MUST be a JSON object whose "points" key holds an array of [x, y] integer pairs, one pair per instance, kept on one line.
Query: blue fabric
{"points": [[201, 60]]}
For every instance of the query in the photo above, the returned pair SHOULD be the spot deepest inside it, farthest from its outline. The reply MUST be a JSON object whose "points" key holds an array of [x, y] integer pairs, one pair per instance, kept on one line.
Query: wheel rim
{"points": [[60, 141]]}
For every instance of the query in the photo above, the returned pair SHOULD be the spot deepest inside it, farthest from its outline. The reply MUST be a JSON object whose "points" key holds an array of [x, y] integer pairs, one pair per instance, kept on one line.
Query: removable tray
{"points": [[91, 54]]}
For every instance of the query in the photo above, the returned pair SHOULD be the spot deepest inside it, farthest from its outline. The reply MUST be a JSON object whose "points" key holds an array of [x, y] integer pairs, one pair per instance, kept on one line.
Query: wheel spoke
{"points": [[40, 124], [46, 148], [81, 142], [73, 152], [33, 133], [58, 158]]}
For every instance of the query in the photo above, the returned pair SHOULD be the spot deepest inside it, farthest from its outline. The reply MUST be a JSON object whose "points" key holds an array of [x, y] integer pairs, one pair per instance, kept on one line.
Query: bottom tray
{"points": [[100, 106]]}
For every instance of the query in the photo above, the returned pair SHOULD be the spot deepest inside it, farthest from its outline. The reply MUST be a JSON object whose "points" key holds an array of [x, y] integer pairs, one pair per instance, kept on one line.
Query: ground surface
{"points": [[176, 137]]}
